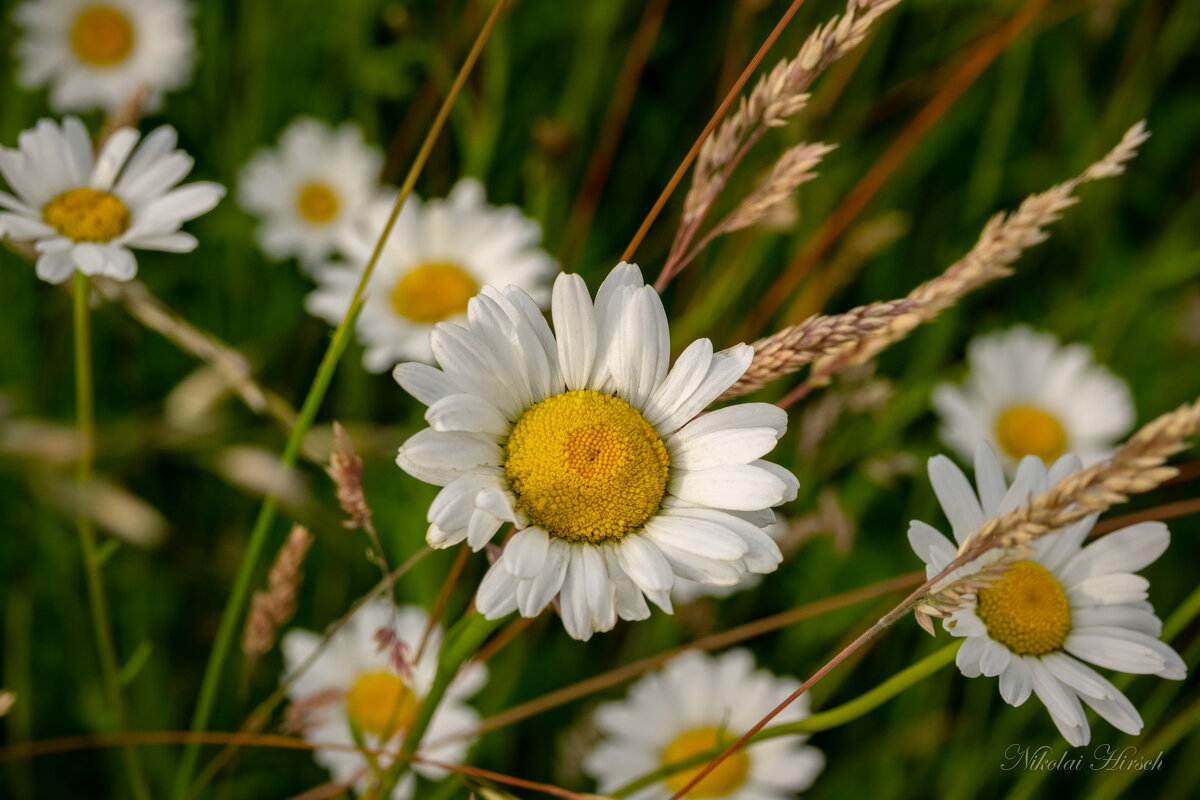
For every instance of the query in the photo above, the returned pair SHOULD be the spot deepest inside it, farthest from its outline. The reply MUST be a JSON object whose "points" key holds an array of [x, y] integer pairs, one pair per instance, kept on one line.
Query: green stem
{"points": [[97, 597], [825, 720], [462, 642], [235, 608]]}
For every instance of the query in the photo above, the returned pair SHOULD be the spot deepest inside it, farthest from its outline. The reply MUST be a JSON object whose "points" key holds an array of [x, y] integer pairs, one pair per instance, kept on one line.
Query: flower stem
{"points": [[823, 721], [236, 606], [97, 597], [461, 643]]}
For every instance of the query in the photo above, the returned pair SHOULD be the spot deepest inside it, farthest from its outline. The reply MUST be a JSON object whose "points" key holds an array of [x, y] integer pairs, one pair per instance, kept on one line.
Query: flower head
{"points": [[1028, 395], [1054, 607], [311, 189], [86, 213], [100, 53], [587, 440], [355, 687], [439, 254], [693, 704]]}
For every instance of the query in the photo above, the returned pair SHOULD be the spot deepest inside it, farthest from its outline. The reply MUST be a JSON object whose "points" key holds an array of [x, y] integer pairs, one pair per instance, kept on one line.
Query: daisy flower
{"points": [[436, 259], [1029, 395], [86, 213], [1061, 605], [309, 189], [98, 54], [589, 445], [693, 704], [685, 591], [355, 685]]}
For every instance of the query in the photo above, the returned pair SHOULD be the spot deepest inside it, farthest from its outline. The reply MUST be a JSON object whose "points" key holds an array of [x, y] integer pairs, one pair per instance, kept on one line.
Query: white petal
{"points": [[644, 563], [525, 554], [439, 457], [723, 371], [575, 329], [956, 497], [427, 384], [1016, 682], [989, 477], [736, 486], [1127, 550], [466, 412]]}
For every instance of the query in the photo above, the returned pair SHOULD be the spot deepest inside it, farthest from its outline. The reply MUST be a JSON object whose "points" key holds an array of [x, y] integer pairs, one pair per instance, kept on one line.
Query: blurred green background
{"points": [[1119, 273]]}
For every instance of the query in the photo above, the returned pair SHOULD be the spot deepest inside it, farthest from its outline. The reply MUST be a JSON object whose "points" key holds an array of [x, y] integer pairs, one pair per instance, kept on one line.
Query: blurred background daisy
{"points": [[310, 190], [695, 703], [1028, 395], [439, 255], [101, 54]]}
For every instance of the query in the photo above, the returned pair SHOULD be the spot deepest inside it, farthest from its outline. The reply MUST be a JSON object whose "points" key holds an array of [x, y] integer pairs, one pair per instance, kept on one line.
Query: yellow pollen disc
{"points": [[380, 704], [433, 292], [1026, 610], [1030, 431], [723, 781], [317, 203], [87, 215], [586, 466], [102, 36]]}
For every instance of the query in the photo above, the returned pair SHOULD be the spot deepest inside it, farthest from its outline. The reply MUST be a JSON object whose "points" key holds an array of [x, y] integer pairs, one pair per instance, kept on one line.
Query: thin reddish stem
{"points": [[979, 56], [717, 116], [439, 606]]}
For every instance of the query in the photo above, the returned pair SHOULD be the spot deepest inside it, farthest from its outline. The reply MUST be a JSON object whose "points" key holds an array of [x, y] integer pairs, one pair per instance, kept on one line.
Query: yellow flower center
{"points": [[87, 215], [729, 775], [317, 203], [380, 704], [102, 36], [1030, 431], [1026, 610], [586, 466], [433, 292]]}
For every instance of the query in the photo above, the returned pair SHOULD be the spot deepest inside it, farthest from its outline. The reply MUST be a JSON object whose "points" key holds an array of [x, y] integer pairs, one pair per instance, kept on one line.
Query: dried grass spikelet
{"points": [[1137, 466], [345, 469], [778, 96], [794, 167], [273, 608], [8, 699], [832, 343], [788, 350], [1003, 240]]}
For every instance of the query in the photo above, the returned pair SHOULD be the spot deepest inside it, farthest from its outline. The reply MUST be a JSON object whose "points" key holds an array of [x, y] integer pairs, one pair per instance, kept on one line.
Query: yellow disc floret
{"points": [[723, 781], [381, 704], [317, 203], [433, 292], [1026, 610], [586, 466], [102, 36], [1030, 431], [87, 215]]}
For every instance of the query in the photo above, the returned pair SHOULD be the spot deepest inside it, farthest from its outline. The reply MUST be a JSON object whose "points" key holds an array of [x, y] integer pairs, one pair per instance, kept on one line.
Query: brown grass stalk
{"points": [[717, 640], [690, 157], [977, 57], [1004, 238]]}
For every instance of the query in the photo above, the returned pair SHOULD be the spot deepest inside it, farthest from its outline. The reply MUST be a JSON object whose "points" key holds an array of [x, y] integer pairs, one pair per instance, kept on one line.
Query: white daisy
{"points": [[590, 446], [436, 259], [1060, 606], [694, 703], [354, 683], [310, 189], [84, 212], [685, 591], [1027, 394], [98, 53]]}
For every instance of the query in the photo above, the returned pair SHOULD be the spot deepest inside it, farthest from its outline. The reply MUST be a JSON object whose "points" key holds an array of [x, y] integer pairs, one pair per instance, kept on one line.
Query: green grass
{"points": [[1120, 272]]}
